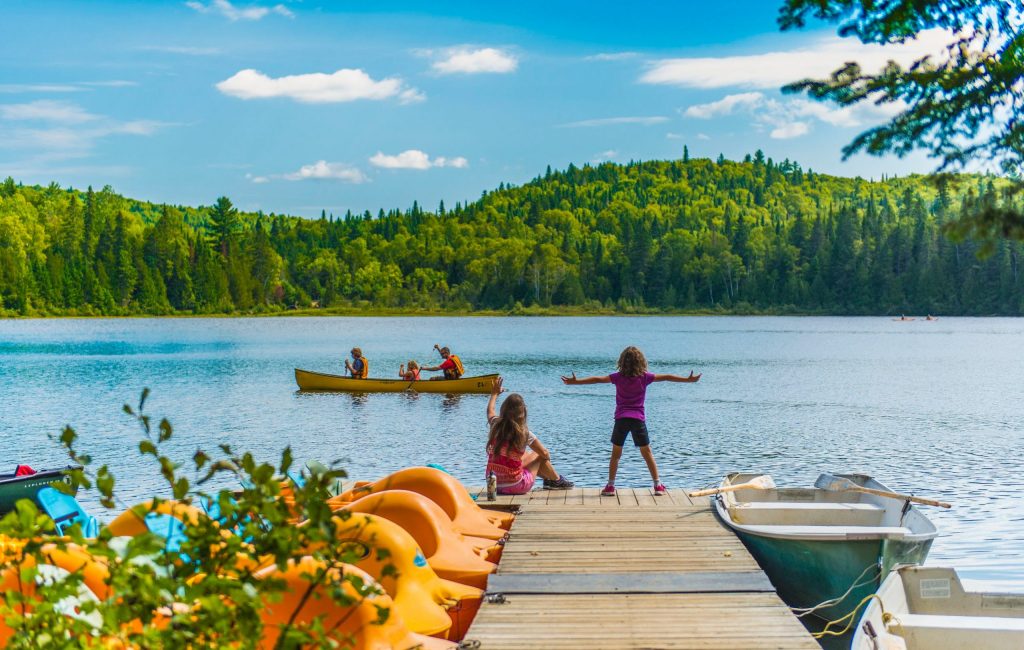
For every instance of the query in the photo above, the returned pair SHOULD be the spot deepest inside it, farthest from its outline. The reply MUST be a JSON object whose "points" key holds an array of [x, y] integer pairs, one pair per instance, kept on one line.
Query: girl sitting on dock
{"points": [[631, 382], [514, 454], [410, 374]]}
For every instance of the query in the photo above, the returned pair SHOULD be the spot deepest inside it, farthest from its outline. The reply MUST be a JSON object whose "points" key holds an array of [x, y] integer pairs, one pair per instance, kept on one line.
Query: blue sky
{"points": [[300, 106]]}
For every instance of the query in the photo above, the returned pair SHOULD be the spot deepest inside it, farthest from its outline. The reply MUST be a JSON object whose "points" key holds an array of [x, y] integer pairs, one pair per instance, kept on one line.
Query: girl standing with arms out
{"points": [[631, 382], [514, 454]]}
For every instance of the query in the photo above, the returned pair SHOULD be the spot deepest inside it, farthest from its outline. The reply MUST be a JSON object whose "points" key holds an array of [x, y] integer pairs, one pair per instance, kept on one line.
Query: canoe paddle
{"points": [[840, 484], [763, 482]]}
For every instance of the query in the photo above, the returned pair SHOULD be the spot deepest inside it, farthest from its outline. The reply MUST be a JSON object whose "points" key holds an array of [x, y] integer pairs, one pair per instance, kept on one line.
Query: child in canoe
{"points": [[413, 372], [631, 382], [514, 454]]}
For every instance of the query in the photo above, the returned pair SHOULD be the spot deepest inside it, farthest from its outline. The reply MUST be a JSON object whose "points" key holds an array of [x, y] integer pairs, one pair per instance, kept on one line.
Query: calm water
{"points": [[932, 408]]}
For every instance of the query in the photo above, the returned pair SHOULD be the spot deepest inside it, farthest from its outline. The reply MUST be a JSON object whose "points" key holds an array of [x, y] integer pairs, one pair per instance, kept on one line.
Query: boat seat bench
{"points": [[936, 631], [807, 513]]}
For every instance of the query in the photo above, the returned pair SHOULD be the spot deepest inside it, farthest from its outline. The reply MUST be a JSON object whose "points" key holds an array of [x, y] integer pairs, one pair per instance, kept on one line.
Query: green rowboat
{"points": [[820, 546], [13, 488]]}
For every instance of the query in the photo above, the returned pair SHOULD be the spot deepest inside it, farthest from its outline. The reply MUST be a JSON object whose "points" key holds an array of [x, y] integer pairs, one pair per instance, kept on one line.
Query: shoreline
{"points": [[528, 312]]}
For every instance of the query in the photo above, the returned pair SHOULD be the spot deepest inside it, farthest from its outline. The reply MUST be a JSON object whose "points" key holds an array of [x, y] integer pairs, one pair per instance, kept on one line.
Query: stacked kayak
{"points": [[427, 545], [927, 608], [319, 381]]}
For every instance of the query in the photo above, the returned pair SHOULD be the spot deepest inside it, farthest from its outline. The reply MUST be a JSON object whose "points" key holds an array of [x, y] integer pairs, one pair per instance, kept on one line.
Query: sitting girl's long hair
{"points": [[509, 429], [632, 362]]}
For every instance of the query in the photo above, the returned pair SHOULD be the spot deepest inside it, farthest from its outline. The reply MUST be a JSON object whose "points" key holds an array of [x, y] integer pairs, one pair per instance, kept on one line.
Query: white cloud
{"points": [[725, 105], [611, 56], [40, 88], [774, 69], [47, 110], [323, 170], [611, 121], [466, 60], [790, 130], [682, 136], [69, 87], [187, 50], [345, 85], [233, 13], [604, 156], [55, 130], [415, 159], [787, 119], [113, 83]]}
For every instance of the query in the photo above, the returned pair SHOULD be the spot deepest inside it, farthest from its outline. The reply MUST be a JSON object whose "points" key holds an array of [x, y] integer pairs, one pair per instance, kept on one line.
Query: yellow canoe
{"points": [[321, 381]]}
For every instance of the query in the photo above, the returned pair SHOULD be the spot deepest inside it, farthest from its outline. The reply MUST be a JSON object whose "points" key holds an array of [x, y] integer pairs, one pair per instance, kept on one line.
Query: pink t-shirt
{"points": [[630, 393]]}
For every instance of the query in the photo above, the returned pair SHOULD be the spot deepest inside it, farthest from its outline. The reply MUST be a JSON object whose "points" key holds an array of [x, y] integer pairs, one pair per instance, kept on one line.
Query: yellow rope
{"points": [[852, 616]]}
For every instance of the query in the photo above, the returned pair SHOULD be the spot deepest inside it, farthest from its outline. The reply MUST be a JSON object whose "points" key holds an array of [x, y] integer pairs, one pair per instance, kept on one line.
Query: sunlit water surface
{"points": [[932, 408]]}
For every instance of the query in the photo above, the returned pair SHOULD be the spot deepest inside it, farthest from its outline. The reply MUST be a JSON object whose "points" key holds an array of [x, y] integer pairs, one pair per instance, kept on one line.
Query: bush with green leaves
{"points": [[204, 594]]}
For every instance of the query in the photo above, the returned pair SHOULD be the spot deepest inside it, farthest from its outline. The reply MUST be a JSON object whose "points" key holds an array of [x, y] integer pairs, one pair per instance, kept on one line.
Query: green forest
{"points": [[688, 235]]}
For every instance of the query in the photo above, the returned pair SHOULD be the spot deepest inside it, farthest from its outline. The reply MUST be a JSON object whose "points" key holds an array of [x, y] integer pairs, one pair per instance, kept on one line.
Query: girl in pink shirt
{"points": [[514, 454], [631, 382]]}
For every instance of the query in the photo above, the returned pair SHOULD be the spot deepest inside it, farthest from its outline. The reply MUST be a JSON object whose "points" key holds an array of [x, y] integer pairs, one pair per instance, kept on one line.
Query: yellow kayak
{"points": [[321, 381]]}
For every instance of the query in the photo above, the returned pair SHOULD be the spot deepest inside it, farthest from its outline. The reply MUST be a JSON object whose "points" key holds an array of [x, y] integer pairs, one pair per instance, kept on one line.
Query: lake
{"points": [[933, 408]]}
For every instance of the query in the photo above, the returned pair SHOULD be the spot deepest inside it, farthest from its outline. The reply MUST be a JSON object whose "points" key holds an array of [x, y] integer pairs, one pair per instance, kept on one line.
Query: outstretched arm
{"points": [[496, 390], [573, 380], [687, 380]]}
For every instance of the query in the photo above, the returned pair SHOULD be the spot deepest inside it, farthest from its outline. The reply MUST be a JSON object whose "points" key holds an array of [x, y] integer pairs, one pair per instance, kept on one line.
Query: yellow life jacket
{"points": [[365, 372], [457, 371]]}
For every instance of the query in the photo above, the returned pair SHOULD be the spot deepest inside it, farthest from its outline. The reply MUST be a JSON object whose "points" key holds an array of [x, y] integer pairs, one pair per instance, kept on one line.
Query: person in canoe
{"points": [[410, 372], [631, 382], [451, 364], [515, 456], [359, 367]]}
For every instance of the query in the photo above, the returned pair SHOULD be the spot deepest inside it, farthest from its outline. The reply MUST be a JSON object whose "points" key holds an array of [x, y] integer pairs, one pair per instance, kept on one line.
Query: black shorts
{"points": [[626, 426]]}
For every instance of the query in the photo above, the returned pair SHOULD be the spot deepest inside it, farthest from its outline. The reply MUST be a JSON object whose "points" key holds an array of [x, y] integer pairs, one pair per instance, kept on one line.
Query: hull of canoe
{"points": [[324, 382], [808, 572], [13, 488]]}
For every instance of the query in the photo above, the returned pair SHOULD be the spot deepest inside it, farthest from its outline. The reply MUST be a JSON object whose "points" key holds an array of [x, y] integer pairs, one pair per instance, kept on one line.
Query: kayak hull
{"points": [[318, 381]]}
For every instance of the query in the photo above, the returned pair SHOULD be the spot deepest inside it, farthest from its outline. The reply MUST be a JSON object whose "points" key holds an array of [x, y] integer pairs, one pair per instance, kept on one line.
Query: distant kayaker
{"points": [[359, 368], [515, 456], [410, 374], [452, 364], [631, 382]]}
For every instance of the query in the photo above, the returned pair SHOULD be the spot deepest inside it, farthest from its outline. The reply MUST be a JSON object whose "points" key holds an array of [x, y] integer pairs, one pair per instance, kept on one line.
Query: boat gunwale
{"points": [[826, 533], [43, 474]]}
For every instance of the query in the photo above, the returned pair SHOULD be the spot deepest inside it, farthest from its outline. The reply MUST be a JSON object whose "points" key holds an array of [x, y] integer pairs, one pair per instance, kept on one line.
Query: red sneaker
{"points": [[608, 491], [660, 490]]}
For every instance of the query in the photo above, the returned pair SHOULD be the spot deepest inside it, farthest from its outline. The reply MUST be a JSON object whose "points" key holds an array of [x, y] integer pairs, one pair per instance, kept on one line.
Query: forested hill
{"points": [[669, 235]]}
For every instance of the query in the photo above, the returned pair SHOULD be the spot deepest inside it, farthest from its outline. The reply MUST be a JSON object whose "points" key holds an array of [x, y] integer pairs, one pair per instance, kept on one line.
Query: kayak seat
{"points": [[807, 513], [939, 631], [65, 511]]}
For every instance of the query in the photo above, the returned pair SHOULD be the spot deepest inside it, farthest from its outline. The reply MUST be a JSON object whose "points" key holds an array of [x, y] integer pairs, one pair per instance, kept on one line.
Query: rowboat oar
{"points": [[763, 482], [840, 484]]}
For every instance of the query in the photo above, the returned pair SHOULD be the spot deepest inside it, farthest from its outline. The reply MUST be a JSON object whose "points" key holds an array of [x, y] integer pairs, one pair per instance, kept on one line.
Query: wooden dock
{"points": [[632, 571]]}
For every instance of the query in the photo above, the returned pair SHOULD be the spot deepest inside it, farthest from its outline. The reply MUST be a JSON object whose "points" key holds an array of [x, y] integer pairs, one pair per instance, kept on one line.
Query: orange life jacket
{"points": [[365, 372], [457, 371]]}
